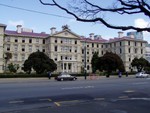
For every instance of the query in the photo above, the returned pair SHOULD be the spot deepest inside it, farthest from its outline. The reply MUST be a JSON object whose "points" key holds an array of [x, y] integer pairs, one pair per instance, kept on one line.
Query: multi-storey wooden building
{"points": [[66, 48]]}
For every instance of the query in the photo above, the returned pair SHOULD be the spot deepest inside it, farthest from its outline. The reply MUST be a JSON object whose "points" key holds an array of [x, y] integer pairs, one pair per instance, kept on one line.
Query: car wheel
{"points": [[74, 79], [62, 79]]}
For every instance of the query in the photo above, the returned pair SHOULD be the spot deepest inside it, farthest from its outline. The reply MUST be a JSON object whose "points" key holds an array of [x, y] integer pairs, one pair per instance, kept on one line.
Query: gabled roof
{"points": [[66, 30], [28, 34]]}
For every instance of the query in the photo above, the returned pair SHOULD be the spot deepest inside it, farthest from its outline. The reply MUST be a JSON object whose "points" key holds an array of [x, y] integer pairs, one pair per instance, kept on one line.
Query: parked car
{"points": [[141, 75], [65, 76]]}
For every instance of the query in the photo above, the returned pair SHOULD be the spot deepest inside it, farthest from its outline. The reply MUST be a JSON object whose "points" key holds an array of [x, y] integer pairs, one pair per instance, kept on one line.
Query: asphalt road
{"points": [[103, 95]]}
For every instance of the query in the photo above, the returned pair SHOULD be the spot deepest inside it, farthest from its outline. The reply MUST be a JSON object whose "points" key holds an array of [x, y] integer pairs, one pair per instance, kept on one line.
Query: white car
{"points": [[141, 75]]}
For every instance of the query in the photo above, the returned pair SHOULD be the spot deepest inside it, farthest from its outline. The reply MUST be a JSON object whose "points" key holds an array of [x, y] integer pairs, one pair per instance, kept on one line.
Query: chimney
{"points": [[120, 34], [53, 30], [19, 28], [92, 36]]}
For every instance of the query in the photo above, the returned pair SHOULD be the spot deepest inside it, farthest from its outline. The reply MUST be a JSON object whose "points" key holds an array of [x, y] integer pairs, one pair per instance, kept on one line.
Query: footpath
{"points": [[5, 80]]}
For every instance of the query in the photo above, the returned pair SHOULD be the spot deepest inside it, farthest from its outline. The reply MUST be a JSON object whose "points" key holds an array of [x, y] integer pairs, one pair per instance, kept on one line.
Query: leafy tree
{"points": [[110, 62], [7, 57], [13, 67], [140, 63], [94, 62], [27, 66], [40, 62], [88, 11]]}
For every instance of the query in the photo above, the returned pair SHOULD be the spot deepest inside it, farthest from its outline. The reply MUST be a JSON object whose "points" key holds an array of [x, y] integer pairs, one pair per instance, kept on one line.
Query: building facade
{"points": [[69, 50]]}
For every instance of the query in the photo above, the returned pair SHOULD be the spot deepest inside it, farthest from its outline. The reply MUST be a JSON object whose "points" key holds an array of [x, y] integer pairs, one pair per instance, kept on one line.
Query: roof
{"points": [[125, 38], [94, 41], [28, 34], [3, 25]]}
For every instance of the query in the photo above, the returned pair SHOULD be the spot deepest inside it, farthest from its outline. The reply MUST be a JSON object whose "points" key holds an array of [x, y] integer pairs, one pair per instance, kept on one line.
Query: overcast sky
{"points": [[57, 18]]}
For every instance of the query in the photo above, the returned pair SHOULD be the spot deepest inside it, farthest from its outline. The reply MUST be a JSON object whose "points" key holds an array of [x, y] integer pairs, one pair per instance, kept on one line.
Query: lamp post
{"points": [[85, 60]]}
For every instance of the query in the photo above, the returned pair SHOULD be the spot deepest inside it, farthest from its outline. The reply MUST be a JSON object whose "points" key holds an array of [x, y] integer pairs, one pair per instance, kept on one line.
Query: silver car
{"points": [[142, 75], [65, 76]]}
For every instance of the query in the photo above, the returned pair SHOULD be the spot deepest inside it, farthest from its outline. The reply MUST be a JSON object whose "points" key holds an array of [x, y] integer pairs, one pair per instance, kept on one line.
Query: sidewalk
{"points": [[2, 80]]}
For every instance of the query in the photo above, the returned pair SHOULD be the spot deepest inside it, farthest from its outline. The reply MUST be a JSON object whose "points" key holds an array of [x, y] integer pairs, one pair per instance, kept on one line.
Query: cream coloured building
{"points": [[65, 47]]}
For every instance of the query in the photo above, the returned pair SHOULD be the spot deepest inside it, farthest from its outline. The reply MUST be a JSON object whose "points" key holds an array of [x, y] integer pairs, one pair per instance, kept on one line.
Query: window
{"points": [[8, 47], [7, 39], [120, 43], [75, 49], [88, 67], [129, 50], [37, 48], [106, 45], [87, 51], [66, 41], [102, 52], [87, 45], [141, 51], [129, 59], [129, 43], [92, 44], [23, 40], [135, 50], [15, 47], [16, 40], [55, 57], [75, 42], [23, 47], [30, 40], [15, 57], [97, 46], [23, 57], [82, 51], [141, 44], [43, 50], [55, 48], [30, 48], [114, 44], [75, 57], [120, 50], [135, 43], [37, 40], [55, 40], [102, 46], [43, 41]]}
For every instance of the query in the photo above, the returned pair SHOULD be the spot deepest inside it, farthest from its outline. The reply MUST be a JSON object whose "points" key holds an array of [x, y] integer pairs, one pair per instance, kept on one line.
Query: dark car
{"points": [[65, 76]]}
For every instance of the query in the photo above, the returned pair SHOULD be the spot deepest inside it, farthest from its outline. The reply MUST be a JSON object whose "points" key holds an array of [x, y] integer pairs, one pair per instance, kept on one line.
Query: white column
{"points": [[72, 67], [67, 67], [63, 66]]}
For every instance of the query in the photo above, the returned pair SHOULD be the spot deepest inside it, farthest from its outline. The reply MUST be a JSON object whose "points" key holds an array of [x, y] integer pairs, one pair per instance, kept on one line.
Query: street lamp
{"points": [[85, 59]]}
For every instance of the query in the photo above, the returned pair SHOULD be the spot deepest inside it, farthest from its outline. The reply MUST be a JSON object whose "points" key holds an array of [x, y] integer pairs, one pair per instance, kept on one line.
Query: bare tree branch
{"points": [[89, 11]]}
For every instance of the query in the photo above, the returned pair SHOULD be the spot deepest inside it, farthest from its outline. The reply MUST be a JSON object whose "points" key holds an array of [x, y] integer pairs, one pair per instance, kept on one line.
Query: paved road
{"points": [[106, 95]]}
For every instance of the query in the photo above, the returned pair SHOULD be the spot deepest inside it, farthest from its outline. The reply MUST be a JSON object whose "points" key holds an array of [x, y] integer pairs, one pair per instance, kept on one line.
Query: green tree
{"points": [[94, 62], [13, 67], [40, 62], [7, 57], [140, 63], [110, 62]]}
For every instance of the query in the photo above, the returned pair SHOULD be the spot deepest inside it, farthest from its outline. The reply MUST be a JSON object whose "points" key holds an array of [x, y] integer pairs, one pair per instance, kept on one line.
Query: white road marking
{"points": [[129, 91], [15, 102], [140, 83], [81, 87]]}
